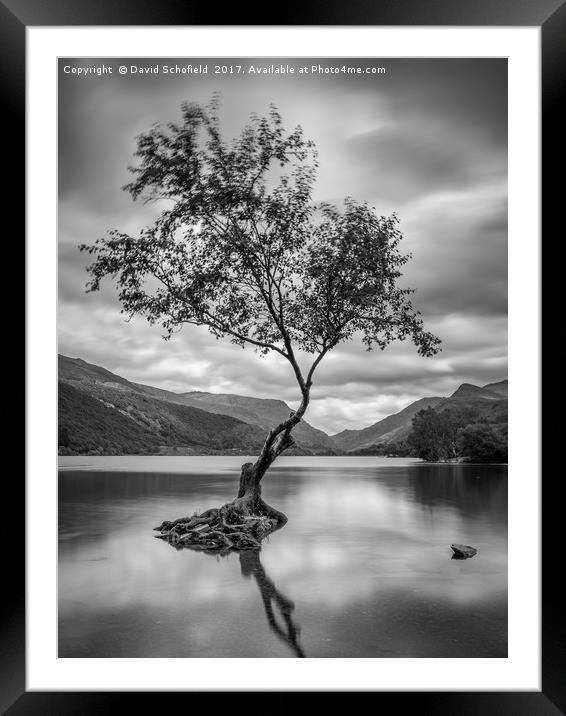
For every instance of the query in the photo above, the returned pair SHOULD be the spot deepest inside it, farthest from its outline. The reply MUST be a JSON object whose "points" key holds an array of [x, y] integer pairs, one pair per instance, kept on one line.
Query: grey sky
{"points": [[427, 140]]}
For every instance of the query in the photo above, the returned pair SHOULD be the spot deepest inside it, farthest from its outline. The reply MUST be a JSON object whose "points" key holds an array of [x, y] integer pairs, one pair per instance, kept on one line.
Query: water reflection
{"points": [[365, 557], [273, 599], [463, 487]]}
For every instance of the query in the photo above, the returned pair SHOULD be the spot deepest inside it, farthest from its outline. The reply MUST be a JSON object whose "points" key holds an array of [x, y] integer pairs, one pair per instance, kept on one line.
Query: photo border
{"points": [[551, 17]]}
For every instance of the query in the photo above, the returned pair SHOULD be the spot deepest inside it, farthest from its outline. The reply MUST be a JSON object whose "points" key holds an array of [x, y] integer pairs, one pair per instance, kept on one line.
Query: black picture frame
{"points": [[15, 17]]}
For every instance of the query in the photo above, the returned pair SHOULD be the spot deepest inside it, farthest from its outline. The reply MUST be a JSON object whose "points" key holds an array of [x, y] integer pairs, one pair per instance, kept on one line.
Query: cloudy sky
{"points": [[427, 139]]}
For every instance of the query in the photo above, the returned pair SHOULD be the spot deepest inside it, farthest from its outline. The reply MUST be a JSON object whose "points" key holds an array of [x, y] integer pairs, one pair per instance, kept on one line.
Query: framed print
{"points": [[335, 225]]}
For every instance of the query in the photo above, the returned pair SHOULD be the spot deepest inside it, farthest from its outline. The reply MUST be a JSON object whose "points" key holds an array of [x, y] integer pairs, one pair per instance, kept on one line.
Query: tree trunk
{"points": [[243, 523], [277, 441]]}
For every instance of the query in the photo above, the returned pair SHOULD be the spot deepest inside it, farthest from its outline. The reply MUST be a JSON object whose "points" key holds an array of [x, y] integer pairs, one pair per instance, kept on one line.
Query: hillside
{"points": [[264, 413], [148, 419], [384, 430], [469, 392], [113, 422], [500, 388], [87, 424], [489, 402], [104, 413]]}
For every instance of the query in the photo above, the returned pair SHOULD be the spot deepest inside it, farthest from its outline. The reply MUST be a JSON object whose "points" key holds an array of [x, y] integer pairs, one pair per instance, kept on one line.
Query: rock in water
{"points": [[463, 551]]}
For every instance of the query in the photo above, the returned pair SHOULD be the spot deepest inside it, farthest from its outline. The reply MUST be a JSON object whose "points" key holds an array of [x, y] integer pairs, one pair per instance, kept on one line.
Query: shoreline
{"points": [[213, 463]]}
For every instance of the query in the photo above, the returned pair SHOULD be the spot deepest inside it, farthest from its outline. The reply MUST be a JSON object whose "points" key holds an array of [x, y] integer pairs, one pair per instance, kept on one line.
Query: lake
{"points": [[363, 567]]}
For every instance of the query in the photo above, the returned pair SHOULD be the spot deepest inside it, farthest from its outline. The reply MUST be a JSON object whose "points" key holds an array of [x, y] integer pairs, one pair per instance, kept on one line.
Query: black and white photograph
{"points": [[282, 357]]}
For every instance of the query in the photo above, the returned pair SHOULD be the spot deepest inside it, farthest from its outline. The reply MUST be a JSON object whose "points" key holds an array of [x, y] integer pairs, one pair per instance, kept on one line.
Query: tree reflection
{"points": [[273, 600], [278, 607]]}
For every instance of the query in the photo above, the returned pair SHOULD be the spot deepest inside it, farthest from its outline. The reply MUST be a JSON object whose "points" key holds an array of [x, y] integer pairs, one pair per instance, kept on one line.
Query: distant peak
{"points": [[75, 360], [467, 389], [501, 387]]}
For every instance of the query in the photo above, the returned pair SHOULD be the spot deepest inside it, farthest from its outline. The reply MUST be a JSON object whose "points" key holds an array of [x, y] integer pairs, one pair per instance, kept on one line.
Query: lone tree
{"points": [[241, 248]]}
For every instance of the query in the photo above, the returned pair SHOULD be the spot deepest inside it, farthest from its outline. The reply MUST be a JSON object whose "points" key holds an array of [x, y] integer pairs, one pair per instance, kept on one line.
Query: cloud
{"points": [[404, 157]]}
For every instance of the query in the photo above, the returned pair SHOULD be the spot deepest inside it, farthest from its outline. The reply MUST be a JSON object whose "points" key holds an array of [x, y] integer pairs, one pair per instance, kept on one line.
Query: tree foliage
{"points": [[483, 442], [438, 436], [241, 248], [434, 433]]}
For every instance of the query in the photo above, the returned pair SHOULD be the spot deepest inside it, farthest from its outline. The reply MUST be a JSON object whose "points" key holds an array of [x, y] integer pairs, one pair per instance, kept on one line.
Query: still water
{"points": [[363, 568]]}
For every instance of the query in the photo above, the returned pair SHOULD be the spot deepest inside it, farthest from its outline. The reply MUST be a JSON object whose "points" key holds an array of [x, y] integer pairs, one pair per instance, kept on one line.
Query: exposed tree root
{"points": [[238, 525]]}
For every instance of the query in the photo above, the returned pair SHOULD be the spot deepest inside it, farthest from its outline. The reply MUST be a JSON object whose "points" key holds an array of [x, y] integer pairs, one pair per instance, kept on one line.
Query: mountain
{"points": [[469, 392], [384, 430], [102, 412], [499, 388], [137, 426], [261, 412], [489, 401]]}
